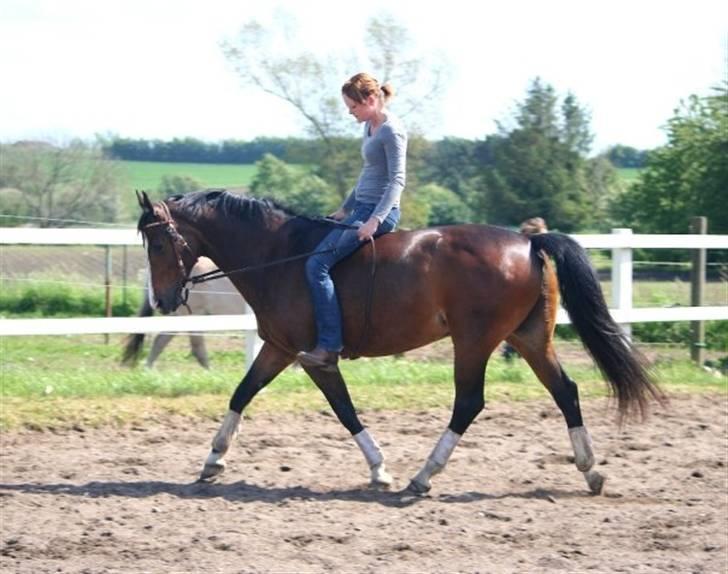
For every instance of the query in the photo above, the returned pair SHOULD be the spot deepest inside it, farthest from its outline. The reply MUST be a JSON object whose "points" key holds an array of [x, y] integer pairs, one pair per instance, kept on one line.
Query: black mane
{"points": [[248, 209]]}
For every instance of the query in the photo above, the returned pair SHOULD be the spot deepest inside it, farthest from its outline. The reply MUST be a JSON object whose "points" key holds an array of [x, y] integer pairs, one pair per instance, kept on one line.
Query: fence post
{"points": [[698, 225], [124, 270], [622, 278], [107, 287], [253, 343]]}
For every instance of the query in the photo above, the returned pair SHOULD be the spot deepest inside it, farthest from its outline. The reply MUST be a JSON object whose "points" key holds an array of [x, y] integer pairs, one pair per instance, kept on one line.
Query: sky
{"points": [[154, 69]]}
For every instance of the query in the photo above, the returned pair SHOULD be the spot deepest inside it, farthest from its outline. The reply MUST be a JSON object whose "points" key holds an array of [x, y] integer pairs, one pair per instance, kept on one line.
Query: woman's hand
{"points": [[367, 231], [338, 215]]}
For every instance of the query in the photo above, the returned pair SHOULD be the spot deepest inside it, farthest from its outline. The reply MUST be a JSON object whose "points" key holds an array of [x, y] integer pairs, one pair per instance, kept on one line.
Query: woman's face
{"points": [[362, 111]]}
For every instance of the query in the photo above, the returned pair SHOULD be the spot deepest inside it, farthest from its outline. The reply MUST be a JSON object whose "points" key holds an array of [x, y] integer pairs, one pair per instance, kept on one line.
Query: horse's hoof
{"points": [[418, 488], [381, 483], [595, 481], [211, 471], [380, 478]]}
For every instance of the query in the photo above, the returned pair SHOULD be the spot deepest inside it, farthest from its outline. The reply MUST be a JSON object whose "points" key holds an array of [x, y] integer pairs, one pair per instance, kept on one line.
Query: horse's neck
{"points": [[235, 245]]}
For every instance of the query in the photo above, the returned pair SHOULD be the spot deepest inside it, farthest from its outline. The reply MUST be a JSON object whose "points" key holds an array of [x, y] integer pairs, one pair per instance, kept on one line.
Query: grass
{"points": [[148, 175], [62, 382]]}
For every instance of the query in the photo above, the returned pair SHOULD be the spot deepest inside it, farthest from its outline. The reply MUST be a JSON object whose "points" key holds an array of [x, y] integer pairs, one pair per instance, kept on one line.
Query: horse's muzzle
{"points": [[171, 300]]}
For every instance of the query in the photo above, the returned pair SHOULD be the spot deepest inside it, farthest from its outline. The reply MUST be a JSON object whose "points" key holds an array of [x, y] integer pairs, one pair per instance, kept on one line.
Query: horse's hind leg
{"points": [[332, 385], [535, 345], [199, 351], [160, 342]]}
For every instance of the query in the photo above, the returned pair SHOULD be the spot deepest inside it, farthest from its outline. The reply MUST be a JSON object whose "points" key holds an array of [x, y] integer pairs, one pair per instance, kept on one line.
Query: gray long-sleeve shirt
{"points": [[382, 178]]}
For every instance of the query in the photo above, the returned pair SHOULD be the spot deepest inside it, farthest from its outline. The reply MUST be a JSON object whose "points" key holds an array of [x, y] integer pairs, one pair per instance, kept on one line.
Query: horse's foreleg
{"points": [[332, 385], [267, 365], [469, 401]]}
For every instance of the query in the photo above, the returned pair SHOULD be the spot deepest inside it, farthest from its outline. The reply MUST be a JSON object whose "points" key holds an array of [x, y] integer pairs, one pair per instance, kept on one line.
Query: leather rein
{"points": [[179, 244]]}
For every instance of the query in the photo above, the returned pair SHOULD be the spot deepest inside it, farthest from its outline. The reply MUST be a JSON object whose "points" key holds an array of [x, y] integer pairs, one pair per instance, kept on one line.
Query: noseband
{"points": [[179, 245]]}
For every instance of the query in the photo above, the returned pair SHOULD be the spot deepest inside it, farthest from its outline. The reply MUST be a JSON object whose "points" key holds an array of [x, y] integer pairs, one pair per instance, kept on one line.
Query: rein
{"points": [[178, 240], [218, 273]]}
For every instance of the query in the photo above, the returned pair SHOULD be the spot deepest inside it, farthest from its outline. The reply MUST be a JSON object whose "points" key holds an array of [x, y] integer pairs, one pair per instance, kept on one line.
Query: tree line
{"points": [[193, 150], [536, 164]]}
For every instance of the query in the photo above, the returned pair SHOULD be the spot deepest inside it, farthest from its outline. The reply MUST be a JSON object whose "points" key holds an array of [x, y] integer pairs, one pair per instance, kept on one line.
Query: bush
{"points": [[53, 300], [666, 332]]}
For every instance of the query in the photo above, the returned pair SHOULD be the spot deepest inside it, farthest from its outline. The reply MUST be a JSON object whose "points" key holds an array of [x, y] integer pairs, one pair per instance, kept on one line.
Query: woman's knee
{"points": [[316, 267]]}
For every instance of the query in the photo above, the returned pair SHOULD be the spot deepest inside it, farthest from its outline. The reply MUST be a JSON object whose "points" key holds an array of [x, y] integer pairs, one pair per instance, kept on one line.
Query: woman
{"points": [[372, 207]]}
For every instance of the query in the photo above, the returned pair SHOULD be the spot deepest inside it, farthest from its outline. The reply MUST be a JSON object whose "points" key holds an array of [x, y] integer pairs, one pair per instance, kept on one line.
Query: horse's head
{"points": [[170, 256]]}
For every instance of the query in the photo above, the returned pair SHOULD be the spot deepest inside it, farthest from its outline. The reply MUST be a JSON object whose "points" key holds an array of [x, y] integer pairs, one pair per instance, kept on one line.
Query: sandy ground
{"points": [[294, 497]]}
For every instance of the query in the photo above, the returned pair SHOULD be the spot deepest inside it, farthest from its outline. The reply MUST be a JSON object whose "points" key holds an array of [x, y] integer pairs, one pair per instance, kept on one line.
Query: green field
{"points": [[53, 382], [147, 175]]}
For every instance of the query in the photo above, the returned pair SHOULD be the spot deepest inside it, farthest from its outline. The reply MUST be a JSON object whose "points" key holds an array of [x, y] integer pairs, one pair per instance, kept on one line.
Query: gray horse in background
{"points": [[216, 297]]}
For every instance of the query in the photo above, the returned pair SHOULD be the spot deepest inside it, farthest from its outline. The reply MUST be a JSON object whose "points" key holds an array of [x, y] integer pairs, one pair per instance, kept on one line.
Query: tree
{"points": [[626, 156], [311, 85], [453, 163], [537, 166], [58, 185], [302, 192], [444, 207], [177, 185], [686, 177]]}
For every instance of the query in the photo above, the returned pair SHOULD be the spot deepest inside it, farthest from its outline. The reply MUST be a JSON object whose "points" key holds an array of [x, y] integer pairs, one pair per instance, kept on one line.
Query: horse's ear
{"points": [[144, 201]]}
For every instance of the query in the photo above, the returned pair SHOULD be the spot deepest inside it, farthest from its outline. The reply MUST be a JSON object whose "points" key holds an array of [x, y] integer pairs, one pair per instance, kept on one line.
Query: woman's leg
{"points": [[323, 292]]}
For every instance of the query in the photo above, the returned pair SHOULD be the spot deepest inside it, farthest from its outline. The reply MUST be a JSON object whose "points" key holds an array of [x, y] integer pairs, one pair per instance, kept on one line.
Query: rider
{"points": [[372, 207]]}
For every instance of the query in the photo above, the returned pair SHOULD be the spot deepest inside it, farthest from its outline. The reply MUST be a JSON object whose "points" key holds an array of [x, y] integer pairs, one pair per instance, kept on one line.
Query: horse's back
{"points": [[429, 280]]}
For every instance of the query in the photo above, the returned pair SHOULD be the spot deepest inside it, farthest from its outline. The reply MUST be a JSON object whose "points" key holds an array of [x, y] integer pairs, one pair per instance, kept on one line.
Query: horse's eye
{"points": [[156, 247]]}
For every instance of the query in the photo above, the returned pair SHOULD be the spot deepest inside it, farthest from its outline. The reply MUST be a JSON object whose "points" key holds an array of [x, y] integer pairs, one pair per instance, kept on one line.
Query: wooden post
{"points": [[124, 270], [107, 286], [697, 291]]}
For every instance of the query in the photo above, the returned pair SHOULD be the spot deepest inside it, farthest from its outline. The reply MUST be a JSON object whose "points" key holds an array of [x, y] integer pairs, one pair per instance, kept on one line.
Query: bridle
{"points": [[179, 246]]}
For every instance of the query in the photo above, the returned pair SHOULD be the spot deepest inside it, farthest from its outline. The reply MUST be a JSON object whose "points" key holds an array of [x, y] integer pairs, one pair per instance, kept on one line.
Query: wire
{"points": [[100, 285], [85, 222]]}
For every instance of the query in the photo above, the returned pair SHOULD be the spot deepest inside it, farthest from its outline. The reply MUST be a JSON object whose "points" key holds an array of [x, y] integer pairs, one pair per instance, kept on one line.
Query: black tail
{"points": [[135, 341], [622, 365]]}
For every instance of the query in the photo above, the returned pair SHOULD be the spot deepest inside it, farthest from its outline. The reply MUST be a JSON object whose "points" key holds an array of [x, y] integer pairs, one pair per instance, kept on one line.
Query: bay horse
{"points": [[216, 297], [477, 284]]}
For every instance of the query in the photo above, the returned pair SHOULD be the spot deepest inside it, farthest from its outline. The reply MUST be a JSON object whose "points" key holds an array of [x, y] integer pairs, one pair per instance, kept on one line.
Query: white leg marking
{"points": [[214, 463], [437, 460], [582, 445], [374, 458], [228, 431]]}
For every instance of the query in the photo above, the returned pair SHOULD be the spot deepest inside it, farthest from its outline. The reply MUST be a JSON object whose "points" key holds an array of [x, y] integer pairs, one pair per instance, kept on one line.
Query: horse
{"points": [[217, 297], [477, 284]]}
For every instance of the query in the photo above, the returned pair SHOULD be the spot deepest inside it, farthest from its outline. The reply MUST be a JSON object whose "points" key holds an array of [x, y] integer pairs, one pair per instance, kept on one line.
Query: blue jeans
{"points": [[318, 272]]}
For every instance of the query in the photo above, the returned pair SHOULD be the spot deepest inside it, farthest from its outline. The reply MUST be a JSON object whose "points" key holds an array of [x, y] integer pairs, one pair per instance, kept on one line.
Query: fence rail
{"points": [[619, 239], [621, 242]]}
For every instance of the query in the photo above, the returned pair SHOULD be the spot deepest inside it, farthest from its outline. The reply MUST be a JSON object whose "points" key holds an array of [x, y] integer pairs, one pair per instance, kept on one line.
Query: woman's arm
{"points": [[395, 152]]}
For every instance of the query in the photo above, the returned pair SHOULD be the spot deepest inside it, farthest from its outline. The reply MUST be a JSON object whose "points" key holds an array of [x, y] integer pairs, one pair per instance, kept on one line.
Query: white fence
{"points": [[621, 242]]}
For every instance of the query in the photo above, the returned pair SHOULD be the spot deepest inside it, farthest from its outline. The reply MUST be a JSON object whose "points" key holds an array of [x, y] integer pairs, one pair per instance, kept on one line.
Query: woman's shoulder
{"points": [[393, 126]]}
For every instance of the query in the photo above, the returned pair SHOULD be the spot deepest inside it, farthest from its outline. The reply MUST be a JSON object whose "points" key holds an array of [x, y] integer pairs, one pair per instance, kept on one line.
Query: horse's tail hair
{"points": [[135, 341], [622, 365]]}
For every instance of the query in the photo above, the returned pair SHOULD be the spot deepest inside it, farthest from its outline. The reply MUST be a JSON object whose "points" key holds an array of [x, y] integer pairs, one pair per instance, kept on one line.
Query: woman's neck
{"points": [[377, 120]]}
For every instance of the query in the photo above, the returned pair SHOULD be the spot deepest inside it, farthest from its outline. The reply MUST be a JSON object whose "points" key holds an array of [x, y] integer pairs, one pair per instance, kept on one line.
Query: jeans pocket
{"points": [[390, 222]]}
